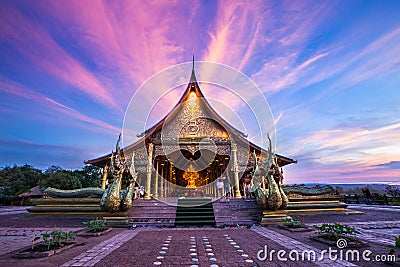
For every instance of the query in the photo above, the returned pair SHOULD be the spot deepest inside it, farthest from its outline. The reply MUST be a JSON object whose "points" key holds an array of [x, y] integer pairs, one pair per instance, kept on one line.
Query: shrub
{"points": [[395, 250], [95, 225], [55, 238], [294, 222], [336, 231]]}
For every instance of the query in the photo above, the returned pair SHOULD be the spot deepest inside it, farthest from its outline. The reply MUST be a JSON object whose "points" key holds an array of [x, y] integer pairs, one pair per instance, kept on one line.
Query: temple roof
{"points": [[193, 87]]}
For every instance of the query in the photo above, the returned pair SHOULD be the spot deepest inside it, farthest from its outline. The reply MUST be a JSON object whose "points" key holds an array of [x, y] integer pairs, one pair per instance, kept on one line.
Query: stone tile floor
{"points": [[16, 238], [194, 246]]}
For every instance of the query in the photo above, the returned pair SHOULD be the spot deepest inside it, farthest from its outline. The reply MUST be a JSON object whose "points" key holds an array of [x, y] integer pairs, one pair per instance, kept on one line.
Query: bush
{"points": [[54, 239], [336, 231], [395, 250], [294, 222], [95, 225]]}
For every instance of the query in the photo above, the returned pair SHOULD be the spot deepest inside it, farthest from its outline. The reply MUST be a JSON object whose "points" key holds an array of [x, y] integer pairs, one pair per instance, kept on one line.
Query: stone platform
{"points": [[162, 212], [317, 205], [66, 206]]}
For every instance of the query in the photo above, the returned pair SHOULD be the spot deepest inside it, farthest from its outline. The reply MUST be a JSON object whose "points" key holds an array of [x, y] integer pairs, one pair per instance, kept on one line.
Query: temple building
{"points": [[189, 149]]}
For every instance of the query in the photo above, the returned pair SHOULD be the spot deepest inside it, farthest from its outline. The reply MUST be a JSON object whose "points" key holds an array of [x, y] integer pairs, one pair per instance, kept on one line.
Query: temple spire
{"points": [[193, 76]]}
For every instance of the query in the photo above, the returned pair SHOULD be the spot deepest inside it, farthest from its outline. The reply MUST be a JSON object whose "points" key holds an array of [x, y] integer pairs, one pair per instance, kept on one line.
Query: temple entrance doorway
{"points": [[206, 173]]}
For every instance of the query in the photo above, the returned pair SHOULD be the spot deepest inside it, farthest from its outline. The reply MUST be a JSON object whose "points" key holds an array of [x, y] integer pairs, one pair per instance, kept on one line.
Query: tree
{"points": [[89, 176], [392, 190], [61, 180], [53, 169], [19, 179], [58, 178], [339, 190]]}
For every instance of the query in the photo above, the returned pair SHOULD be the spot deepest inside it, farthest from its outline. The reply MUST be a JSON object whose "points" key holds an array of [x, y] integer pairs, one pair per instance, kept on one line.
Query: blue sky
{"points": [[329, 69]]}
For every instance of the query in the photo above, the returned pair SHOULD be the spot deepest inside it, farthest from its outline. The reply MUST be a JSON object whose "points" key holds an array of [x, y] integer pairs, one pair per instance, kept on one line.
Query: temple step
{"points": [[194, 212], [317, 205], [152, 212], [236, 212]]}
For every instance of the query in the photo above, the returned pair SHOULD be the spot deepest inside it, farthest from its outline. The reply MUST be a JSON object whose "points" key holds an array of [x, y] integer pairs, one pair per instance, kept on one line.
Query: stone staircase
{"points": [[236, 212], [152, 212], [194, 212]]}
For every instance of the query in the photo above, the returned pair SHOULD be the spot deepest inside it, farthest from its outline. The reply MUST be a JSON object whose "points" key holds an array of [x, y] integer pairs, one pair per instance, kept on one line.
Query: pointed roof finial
{"points": [[193, 76]]}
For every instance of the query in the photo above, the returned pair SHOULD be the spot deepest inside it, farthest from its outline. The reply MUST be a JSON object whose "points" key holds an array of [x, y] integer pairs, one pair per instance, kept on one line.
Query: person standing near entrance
{"points": [[227, 186], [141, 191], [219, 186]]}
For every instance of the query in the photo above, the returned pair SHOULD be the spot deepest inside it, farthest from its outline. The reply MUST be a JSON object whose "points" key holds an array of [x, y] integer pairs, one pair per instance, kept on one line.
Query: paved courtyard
{"points": [[235, 246]]}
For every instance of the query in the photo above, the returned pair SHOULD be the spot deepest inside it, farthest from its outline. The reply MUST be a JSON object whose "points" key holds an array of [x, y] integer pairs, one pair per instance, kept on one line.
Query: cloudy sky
{"points": [[329, 69]]}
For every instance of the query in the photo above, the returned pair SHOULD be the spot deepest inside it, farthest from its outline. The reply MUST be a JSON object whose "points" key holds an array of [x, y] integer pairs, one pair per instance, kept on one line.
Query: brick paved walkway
{"points": [[13, 210], [184, 247], [376, 208], [191, 247], [292, 244], [100, 251]]}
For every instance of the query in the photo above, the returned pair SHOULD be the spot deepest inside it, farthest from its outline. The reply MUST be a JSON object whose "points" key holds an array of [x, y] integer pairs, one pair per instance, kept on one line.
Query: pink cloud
{"points": [[299, 21], [282, 72], [137, 39], [286, 33], [236, 33], [35, 43], [338, 173], [374, 59], [353, 154], [18, 90]]}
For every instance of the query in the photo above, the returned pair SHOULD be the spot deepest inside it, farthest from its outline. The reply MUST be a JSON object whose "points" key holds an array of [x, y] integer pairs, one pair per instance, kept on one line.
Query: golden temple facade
{"points": [[191, 147]]}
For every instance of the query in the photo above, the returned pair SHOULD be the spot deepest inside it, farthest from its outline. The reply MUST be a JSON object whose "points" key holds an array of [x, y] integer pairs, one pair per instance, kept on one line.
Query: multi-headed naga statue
{"points": [[114, 199], [272, 198]]}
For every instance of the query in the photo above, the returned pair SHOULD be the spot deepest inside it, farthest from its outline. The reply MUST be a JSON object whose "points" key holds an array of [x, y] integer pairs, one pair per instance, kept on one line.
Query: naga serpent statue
{"points": [[274, 197], [306, 191], [114, 199]]}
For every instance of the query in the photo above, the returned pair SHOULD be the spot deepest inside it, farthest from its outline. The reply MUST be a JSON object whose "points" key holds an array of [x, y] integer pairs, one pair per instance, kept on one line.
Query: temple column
{"points": [[170, 180], [104, 179], [215, 190], [149, 167], [235, 171], [162, 181], [156, 182]]}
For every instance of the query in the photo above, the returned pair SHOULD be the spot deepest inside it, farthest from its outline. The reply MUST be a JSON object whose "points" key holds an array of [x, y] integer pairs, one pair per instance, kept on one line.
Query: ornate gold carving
{"points": [[224, 149], [158, 150], [203, 127], [193, 128], [140, 153]]}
